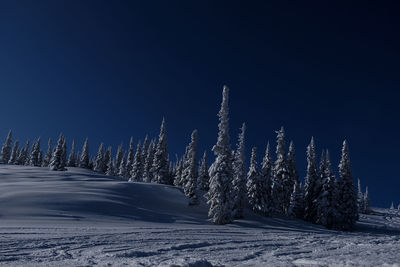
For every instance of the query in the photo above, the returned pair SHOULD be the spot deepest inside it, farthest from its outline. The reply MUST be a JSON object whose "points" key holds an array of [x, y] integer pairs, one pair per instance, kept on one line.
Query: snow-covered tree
{"points": [[144, 149], [147, 172], [23, 155], [204, 177], [270, 205], [56, 159], [360, 198], [367, 202], [327, 202], [107, 158], [239, 178], [219, 195], [178, 173], [47, 157], [85, 159], [190, 172], [64, 153], [40, 158], [122, 167], [296, 206], [347, 192], [6, 149], [160, 163], [131, 156], [137, 167], [14, 153], [110, 171], [281, 186], [291, 163], [310, 194], [254, 185], [34, 157], [71, 158], [99, 161], [118, 156]]}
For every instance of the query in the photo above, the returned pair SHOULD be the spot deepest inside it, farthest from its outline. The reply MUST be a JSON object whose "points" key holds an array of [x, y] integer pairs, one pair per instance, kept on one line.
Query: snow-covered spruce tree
{"points": [[185, 161], [270, 205], [310, 196], [85, 159], [147, 172], [281, 185], [367, 202], [122, 167], [99, 161], [40, 158], [34, 157], [347, 192], [291, 163], [144, 149], [360, 198], [296, 206], [110, 171], [204, 177], [47, 157], [107, 157], [137, 168], [239, 178], [56, 159], [119, 155], [6, 149], [160, 162], [14, 153], [327, 208], [64, 153], [71, 158], [23, 154], [77, 158], [219, 195], [190, 172], [131, 156], [178, 173], [255, 195]]}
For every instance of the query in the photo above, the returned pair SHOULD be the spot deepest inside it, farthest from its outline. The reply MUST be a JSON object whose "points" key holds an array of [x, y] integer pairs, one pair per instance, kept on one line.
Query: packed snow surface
{"points": [[81, 218]]}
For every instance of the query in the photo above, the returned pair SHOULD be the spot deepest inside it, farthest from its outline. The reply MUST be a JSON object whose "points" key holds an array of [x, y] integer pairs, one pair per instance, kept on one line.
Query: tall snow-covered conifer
{"points": [[47, 157], [219, 195], [14, 153], [71, 158], [99, 161], [255, 194], [360, 198], [107, 157], [34, 157], [56, 159], [296, 206], [119, 155], [85, 159], [147, 172], [191, 171], [122, 167], [131, 156], [239, 178], [6, 149], [204, 177], [110, 171], [160, 163], [137, 168], [270, 205], [347, 192], [310, 196]]}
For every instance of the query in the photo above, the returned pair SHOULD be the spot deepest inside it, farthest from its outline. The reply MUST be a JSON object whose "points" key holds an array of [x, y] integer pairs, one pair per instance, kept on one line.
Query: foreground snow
{"points": [[80, 218]]}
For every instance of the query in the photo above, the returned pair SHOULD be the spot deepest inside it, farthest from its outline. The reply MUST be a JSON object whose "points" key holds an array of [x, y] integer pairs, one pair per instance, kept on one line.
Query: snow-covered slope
{"points": [[81, 218]]}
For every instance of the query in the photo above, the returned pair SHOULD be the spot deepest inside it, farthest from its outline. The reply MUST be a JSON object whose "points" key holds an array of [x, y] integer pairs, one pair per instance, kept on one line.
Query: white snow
{"points": [[81, 218]]}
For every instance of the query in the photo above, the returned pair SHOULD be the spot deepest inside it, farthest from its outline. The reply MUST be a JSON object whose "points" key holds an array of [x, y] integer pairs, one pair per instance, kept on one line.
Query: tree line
{"points": [[270, 189]]}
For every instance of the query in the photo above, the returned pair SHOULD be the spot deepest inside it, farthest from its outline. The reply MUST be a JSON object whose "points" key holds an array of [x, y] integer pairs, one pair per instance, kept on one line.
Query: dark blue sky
{"points": [[109, 70]]}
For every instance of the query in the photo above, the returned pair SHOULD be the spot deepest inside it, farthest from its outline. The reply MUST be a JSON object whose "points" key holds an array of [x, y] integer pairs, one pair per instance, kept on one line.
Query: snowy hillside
{"points": [[79, 217]]}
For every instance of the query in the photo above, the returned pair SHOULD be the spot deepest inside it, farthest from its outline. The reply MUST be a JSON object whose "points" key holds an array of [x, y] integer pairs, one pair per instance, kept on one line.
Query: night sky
{"points": [[111, 70]]}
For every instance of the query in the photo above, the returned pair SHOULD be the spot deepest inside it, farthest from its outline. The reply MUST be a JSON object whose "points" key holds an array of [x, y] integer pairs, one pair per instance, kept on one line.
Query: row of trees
{"points": [[272, 189]]}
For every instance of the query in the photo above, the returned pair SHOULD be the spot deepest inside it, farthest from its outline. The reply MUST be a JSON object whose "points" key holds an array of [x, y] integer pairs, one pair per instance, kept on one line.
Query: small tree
{"points": [[147, 172], [6, 149], [99, 161], [85, 159], [119, 155], [239, 178], [110, 164], [47, 157], [107, 157], [296, 206], [14, 153], [34, 158], [122, 167], [254, 182], [56, 159], [129, 160], [190, 172], [270, 205], [137, 168], [160, 163], [71, 158]]}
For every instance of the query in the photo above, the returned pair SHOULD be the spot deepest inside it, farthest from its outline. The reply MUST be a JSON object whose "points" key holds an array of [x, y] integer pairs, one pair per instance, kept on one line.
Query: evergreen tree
{"points": [[137, 168], [327, 204], [148, 173], [122, 167], [107, 158], [254, 182], [118, 156], [71, 158], [360, 199], [219, 195], [6, 149], [110, 163], [204, 177], [281, 186], [239, 178], [40, 158], [190, 172], [14, 153], [292, 168], [99, 161], [270, 205], [367, 205], [296, 206], [129, 161], [23, 154], [310, 196], [56, 159], [84, 161], [178, 173], [64, 153], [34, 157], [77, 158], [160, 162], [47, 157], [144, 149], [347, 192]]}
